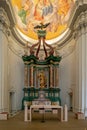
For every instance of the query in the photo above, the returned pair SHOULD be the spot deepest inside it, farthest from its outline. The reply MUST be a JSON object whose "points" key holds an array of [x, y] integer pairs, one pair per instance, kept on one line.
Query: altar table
{"points": [[45, 107]]}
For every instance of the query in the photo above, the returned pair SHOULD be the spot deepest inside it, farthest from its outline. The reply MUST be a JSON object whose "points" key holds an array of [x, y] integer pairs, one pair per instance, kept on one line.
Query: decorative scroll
{"points": [[32, 48], [51, 49]]}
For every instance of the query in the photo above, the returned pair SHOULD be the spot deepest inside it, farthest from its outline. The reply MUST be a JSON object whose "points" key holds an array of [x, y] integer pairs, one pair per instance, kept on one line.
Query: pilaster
{"points": [[81, 63], [85, 99], [3, 62]]}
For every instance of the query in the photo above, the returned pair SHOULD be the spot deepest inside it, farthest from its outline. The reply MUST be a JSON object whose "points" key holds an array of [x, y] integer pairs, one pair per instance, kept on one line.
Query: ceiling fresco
{"points": [[29, 13]]}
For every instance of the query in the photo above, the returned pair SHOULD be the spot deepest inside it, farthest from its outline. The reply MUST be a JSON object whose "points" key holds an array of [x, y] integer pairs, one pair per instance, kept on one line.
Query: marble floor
{"points": [[51, 123]]}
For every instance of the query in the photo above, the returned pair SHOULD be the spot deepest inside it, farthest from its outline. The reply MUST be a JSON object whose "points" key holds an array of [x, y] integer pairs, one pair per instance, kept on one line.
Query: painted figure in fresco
{"points": [[53, 18], [25, 10], [55, 12], [47, 11], [44, 11], [42, 79], [26, 13], [65, 7], [43, 8]]}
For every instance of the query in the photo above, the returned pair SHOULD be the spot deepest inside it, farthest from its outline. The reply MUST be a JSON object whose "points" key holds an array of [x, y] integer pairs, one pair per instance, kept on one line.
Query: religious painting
{"points": [[30, 13]]}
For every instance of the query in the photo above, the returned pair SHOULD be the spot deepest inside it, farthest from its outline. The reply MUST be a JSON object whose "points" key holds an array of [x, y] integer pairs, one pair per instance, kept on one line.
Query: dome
{"points": [[30, 13]]}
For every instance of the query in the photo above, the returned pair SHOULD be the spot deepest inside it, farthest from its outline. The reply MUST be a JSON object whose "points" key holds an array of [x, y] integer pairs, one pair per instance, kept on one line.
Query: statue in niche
{"points": [[42, 79]]}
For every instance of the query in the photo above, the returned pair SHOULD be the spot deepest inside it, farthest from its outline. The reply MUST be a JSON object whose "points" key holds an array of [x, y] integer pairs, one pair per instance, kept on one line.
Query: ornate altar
{"points": [[41, 73]]}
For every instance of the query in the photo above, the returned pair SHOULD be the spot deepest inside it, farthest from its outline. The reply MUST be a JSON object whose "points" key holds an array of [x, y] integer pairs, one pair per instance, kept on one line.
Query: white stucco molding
{"points": [[67, 50], [21, 40], [4, 22], [80, 24], [15, 47], [5, 28], [8, 2], [80, 6], [4, 18]]}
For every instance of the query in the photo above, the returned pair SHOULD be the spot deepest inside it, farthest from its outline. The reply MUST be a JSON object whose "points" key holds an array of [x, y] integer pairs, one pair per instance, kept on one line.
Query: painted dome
{"points": [[30, 13]]}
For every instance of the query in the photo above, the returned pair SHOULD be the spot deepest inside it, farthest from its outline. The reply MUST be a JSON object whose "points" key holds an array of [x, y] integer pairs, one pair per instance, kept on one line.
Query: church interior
{"points": [[43, 68]]}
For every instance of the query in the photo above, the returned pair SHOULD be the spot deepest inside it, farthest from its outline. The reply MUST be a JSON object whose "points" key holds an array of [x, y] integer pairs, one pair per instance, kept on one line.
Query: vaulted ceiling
{"points": [[24, 15]]}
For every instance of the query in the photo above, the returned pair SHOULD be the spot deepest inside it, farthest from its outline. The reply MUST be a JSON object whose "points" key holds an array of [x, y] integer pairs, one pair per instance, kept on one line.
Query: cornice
{"points": [[4, 22], [81, 20], [18, 36], [6, 5], [80, 26], [8, 2], [79, 7], [3, 18]]}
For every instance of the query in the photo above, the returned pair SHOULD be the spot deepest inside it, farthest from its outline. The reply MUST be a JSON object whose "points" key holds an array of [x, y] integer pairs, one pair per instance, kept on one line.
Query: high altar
{"points": [[41, 85]]}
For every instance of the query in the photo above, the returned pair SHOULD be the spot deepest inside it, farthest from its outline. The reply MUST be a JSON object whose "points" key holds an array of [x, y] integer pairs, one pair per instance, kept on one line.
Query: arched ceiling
{"points": [[29, 13], [18, 32]]}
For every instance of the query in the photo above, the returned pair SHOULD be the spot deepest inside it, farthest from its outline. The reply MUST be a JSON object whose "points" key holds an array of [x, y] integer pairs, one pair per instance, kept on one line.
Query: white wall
{"points": [[67, 78]]}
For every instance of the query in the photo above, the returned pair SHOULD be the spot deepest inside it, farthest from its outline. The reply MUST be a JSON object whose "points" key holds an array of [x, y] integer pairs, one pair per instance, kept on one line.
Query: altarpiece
{"points": [[41, 85]]}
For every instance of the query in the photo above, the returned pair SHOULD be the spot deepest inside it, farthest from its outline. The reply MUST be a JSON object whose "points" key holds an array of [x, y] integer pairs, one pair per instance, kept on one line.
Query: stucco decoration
{"points": [[66, 50], [30, 13], [15, 48]]}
